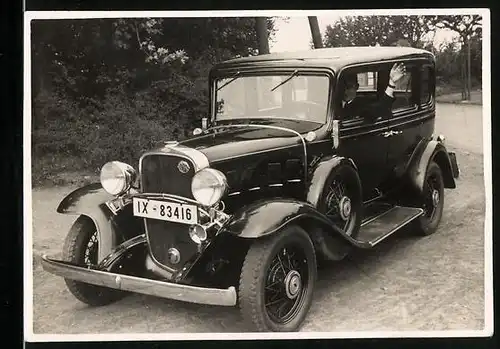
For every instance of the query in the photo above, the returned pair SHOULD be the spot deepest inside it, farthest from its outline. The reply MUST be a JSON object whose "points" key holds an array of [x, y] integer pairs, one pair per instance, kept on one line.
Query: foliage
{"points": [[111, 88], [373, 30], [464, 25]]}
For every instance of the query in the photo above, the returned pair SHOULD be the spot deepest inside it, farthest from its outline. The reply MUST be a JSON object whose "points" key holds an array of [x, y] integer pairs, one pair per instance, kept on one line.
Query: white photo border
{"points": [[27, 183]]}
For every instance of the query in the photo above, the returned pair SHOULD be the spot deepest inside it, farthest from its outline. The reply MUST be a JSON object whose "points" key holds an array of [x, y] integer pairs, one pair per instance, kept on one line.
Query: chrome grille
{"points": [[160, 174]]}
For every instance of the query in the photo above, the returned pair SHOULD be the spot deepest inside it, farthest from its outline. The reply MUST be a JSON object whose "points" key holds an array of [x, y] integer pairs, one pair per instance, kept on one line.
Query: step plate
{"points": [[375, 209], [378, 228]]}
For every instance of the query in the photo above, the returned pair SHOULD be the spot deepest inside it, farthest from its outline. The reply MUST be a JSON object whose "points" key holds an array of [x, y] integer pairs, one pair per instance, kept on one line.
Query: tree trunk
{"points": [[463, 73], [262, 36], [316, 34], [469, 77]]}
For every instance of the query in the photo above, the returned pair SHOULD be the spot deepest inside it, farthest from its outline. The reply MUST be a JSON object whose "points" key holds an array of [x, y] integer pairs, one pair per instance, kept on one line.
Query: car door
{"points": [[408, 116], [365, 141]]}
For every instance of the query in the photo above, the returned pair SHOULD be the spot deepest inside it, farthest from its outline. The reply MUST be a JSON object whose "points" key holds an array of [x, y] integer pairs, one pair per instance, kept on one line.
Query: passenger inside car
{"points": [[354, 107]]}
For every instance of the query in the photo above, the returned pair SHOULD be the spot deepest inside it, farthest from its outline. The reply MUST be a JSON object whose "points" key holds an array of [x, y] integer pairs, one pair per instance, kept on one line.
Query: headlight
{"points": [[117, 177], [208, 186]]}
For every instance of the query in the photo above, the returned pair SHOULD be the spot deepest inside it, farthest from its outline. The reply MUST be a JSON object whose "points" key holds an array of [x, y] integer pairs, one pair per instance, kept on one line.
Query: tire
{"points": [[428, 223], [81, 237], [343, 185], [264, 274]]}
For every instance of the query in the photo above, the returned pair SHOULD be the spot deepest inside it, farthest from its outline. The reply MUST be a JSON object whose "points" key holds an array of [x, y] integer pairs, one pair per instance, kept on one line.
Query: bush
{"points": [[67, 136]]}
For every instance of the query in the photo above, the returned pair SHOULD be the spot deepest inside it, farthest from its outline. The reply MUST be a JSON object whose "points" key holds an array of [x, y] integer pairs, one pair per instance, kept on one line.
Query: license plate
{"points": [[166, 211]]}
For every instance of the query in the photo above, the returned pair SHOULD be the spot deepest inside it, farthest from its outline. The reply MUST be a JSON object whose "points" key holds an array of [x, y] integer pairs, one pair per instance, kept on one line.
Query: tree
{"points": [[110, 88], [315, 32], [377, 30], [466, 26], [262, 35]]}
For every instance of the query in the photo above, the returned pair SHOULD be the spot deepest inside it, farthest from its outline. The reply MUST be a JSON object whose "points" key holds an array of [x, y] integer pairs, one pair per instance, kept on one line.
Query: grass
{"points": [[61, 170]]}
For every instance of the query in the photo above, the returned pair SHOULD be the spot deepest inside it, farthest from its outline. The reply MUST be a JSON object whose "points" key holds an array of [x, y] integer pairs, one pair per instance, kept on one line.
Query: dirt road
{"points": [[407, 283]]}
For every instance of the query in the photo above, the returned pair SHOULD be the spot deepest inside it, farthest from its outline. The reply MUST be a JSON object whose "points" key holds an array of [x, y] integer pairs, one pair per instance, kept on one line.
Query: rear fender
{"points": [[268, 217], [91, 201], [431, 150], [320, 175]]}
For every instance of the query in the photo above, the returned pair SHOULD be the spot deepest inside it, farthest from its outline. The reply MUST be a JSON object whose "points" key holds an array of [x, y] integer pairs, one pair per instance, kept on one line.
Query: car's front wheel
{"points": [[277, 281], [80, 247]]}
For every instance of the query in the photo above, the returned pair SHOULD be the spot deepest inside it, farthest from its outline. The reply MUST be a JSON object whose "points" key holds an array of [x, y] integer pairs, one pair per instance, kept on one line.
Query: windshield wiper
{"points": [[235, 76], [286, 80]]}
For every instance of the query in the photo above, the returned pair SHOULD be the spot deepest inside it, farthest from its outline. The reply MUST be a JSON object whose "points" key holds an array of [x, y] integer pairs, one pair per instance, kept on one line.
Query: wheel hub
{"points": [[293, 284], [435, 197], [345, 208]]}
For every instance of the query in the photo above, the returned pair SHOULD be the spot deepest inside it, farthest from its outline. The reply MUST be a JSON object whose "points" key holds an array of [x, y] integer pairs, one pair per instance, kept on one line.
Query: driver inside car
{"points": [[353, 107]]}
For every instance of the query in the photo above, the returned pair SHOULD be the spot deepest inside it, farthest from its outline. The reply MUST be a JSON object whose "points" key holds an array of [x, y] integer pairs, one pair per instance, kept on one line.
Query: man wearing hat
{"points": [[352, 107]]}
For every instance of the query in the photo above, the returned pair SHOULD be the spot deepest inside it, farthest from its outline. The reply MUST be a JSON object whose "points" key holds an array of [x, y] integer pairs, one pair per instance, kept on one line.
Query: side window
{"points": [[358, 93], [425, 84], [403, 93]]}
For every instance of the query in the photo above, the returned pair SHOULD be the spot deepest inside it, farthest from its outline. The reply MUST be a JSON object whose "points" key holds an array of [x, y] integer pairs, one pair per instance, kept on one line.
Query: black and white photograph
{"points": [[257, 174]]}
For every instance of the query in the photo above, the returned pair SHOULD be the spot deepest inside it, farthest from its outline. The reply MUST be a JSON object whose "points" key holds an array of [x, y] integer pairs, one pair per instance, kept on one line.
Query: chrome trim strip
{"points": [[186, 293], [302, 139], [276, 185], [234, 194], [294, 180], [254, 189]]}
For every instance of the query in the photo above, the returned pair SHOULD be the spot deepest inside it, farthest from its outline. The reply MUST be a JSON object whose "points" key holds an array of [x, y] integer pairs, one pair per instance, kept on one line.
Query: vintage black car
{"points": [[278, 178]]}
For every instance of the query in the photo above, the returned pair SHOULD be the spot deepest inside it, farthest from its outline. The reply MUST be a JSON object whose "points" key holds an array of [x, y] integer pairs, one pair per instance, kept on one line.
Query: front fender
{"points": [[91, 201], [320, 175], [433, 150], [269, 216]]}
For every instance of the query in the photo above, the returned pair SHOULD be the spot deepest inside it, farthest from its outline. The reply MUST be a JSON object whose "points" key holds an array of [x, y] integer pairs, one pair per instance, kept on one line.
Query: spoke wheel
{"points": [[341, 200], [285, 288], [432, 200], [81, 248], [277, 281]]}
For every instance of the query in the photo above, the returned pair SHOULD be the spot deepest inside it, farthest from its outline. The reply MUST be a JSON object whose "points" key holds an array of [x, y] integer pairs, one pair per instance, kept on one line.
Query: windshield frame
{"points": [[274, 71]]}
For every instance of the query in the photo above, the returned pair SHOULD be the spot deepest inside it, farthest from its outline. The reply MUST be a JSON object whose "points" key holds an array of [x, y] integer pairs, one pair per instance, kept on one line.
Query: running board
{"points": [[379, 227]]}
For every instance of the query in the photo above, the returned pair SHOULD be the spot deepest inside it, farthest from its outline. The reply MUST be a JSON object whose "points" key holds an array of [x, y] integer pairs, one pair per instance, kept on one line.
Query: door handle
{"points": [[391, 133]]}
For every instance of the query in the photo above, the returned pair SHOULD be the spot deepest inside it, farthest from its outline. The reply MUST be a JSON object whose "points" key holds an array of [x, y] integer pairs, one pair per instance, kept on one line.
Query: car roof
{"points": [[334, 58]]}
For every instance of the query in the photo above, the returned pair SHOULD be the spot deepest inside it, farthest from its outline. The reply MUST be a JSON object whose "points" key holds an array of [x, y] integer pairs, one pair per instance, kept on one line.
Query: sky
{"points": [[295, 34]]}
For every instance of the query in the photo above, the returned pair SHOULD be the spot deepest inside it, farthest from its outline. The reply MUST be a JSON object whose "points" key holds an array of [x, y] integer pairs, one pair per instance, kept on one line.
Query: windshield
{"points": [[286, 96]]}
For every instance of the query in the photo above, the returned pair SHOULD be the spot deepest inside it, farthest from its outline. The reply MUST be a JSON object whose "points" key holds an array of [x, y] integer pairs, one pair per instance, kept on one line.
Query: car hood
{"points": [[232, 142]]}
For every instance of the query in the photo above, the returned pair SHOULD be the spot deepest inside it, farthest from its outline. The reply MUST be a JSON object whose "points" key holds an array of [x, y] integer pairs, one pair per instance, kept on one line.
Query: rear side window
{"points": [[426, 84], [403, 93]]}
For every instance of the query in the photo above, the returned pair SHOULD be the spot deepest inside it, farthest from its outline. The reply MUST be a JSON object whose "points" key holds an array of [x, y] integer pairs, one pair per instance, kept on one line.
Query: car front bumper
{"points": [[162, 289]]}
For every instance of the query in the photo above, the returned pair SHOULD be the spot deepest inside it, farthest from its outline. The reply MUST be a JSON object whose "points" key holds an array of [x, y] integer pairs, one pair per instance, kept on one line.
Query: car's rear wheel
{"points": [[432, 201], [277, 281], [80, 247], [341, 200]]}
